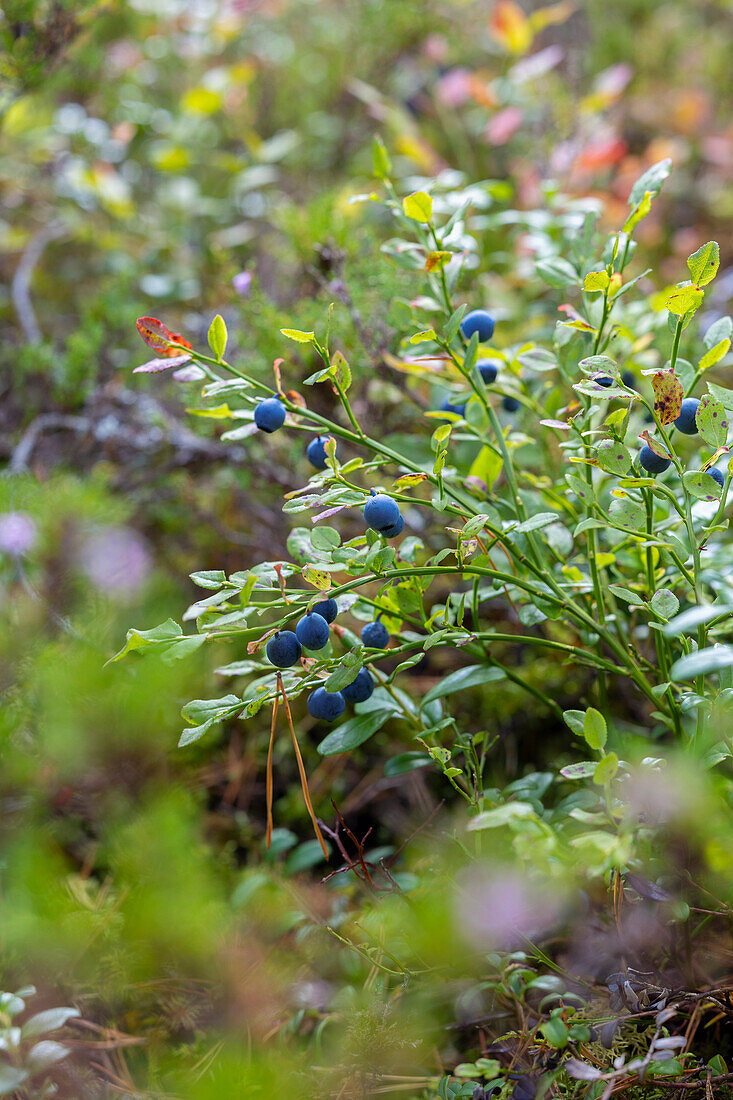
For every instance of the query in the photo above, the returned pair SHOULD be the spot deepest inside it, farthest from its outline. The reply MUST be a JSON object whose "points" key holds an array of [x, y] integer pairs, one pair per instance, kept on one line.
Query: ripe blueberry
{"points": [[448, 407], [604, 380], [488, 369], [326, 705], [329, 609], [316, 451], [360, 688], [651, 461], [394, 529], [381, 511], [283, 649], [510, 404], [312, 631], [717, 475], [629, 379], [375, 635], [685, 422], [478, 320], [270, 415]]}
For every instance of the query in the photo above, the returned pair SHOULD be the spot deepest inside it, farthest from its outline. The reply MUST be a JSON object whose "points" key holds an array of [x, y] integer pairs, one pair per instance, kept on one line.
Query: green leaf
{"points": [[582, 770], [346, 672], [406, 762], [418, 206], [209, 578], [10, 1078], [664, 603], [651, 181], [606, 770], [702, 662], [688, 621], [701, 485], [555, 1032], [722, 329], [340, 371], [50, 1020], [501, 815], [161, 635], [704, 263], [380, 159], [297, 335], [541, 519], [575, 720], [45, 1054], [557, 272], [424, 336], [594, 728], [325, 538], [712, 421], [454, 323], [354, 732], [218, 337], [613, 457], [626, 594], [464, 678], [628, 514]]}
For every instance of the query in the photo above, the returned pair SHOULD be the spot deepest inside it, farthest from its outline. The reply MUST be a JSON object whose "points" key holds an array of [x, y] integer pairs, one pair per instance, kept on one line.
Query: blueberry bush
{"points": [[556, 494]]}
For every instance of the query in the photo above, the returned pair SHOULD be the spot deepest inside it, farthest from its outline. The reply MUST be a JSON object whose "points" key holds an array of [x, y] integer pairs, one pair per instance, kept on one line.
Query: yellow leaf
{"points": [[605, 559], [201, 101], [220, 412], [510, 27], [615, 284], [595, 280], [317, 577], [639, 212], [418, 206], [551, 16], [684, 299], [437, 260], [710, 358], [297, 335]]}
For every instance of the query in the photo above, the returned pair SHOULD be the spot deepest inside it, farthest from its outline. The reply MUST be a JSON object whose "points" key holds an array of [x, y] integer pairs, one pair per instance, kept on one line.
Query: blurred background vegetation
{"points": [[181, 158]]}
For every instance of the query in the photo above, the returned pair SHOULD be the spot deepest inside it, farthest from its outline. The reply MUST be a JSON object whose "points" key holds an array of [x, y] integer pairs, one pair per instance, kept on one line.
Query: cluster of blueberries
{"points": [[687, 424], [381, 514], [478, 320], [311, 632]]}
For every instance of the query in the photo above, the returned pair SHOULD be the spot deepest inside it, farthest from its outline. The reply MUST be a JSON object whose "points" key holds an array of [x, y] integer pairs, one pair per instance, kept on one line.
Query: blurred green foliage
{"points": [[149, 152]]}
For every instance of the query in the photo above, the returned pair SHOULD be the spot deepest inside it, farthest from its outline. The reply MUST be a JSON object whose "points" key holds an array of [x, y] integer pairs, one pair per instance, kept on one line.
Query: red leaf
{"points": [[158, 337]]}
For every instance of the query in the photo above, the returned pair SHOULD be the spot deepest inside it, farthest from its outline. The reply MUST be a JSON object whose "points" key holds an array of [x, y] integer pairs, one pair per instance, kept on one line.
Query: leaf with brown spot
{"points": [[668, 394], [157, 336]]}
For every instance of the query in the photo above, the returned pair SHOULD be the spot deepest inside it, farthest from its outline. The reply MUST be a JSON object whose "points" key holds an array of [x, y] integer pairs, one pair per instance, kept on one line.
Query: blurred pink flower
{"points": [[116, 560], [454, 88], [499, 906], [504, 125], [17, 534], [242, 283]]}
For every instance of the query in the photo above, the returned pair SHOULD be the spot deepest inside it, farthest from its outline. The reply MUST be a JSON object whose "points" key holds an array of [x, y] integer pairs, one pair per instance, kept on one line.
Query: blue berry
{"points": [[375, 635], [381, 511], [394, 529], [651, 461], [316, 451], [717, 475], [510, 404], [448, 407], [329, 609], [629, 379], [326, 705], [478, 320], [488, 369], [360, 688], [312, 631], [685, 422], [283, 649], [270, 415], [604, 380]]}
